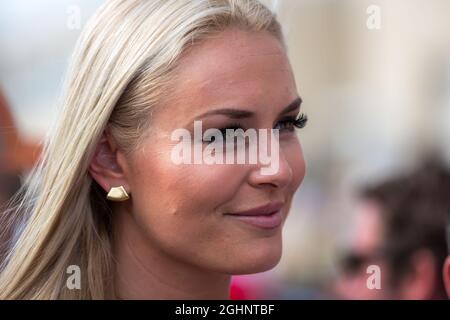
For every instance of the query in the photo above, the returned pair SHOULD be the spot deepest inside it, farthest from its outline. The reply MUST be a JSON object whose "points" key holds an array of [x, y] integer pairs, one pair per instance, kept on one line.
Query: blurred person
{"points": [[107, 198], [400, 228]]}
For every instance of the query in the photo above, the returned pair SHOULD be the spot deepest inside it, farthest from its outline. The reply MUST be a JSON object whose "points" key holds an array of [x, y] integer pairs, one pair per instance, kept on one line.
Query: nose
{"points": [[280, 177]]}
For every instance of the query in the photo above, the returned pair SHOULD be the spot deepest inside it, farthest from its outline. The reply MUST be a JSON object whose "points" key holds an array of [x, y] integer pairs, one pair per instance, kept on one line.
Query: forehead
{"points": [[234, 68]]}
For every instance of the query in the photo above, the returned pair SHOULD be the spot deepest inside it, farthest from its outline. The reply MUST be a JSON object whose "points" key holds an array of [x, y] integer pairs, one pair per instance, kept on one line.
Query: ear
{"points": [[420, 284], [108, 166], [446, 272]]}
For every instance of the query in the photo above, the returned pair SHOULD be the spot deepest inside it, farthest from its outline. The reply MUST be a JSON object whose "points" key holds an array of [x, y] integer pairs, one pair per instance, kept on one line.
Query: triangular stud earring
{"points": [[118, 194]]}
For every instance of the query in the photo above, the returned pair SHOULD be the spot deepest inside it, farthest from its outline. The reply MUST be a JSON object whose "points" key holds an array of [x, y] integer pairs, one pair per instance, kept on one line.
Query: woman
{"points": [[107, 199]]}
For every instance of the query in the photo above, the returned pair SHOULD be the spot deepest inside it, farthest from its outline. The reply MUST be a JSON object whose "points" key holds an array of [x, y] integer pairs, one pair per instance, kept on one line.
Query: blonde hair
{"points": [[122, 67]]}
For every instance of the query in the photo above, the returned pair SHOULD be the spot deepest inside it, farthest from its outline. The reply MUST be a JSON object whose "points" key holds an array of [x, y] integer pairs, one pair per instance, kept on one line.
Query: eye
{"points": [[290, 123]]}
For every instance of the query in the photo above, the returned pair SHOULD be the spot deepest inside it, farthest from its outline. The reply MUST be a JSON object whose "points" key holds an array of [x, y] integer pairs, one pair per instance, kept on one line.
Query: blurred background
{"points": [[375, 80]]}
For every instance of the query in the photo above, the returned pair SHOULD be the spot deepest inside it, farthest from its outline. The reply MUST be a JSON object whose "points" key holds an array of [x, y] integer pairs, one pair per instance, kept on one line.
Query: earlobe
{"points": [[118, 194], [104, 167]]}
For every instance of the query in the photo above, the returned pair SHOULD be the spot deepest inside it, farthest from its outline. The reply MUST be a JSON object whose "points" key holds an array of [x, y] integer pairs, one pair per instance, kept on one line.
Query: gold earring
{"points": [[118, 194]]}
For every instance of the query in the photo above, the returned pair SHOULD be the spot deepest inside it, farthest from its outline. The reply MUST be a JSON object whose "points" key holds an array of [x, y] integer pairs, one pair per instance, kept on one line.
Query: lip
{"points": [[266, 217]]}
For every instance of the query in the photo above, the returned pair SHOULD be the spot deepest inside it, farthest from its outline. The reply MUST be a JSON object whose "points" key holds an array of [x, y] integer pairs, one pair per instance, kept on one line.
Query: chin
{"points": [[256, 259]]}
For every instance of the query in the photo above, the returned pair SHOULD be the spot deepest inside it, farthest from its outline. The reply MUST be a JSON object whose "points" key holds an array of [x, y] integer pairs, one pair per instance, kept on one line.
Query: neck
{"points": [[144, 271]]}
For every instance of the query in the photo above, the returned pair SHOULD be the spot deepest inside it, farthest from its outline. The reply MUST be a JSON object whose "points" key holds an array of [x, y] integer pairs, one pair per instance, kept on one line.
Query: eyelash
{"points": [[292, 123], [298, 123]]}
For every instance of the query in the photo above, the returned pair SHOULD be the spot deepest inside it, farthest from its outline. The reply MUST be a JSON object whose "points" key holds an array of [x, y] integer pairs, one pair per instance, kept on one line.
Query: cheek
{"points": [[182, 200], [187, 189]]}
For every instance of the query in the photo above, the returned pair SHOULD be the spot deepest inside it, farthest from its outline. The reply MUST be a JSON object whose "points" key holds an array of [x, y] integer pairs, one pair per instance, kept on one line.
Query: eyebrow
{"points": [[240, 114]]}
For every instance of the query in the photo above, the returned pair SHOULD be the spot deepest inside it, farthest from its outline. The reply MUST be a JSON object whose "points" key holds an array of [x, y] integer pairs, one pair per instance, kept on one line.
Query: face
{"points": [[366, 241], [188, 211]]}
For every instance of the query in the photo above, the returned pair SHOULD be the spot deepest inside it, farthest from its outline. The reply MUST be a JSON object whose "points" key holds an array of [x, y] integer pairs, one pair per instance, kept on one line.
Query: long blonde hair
{"points": [[122, 67]]}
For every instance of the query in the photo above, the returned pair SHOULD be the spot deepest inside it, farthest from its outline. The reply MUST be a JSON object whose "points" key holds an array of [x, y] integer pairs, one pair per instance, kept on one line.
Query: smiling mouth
{"points": [[266, 217]]}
